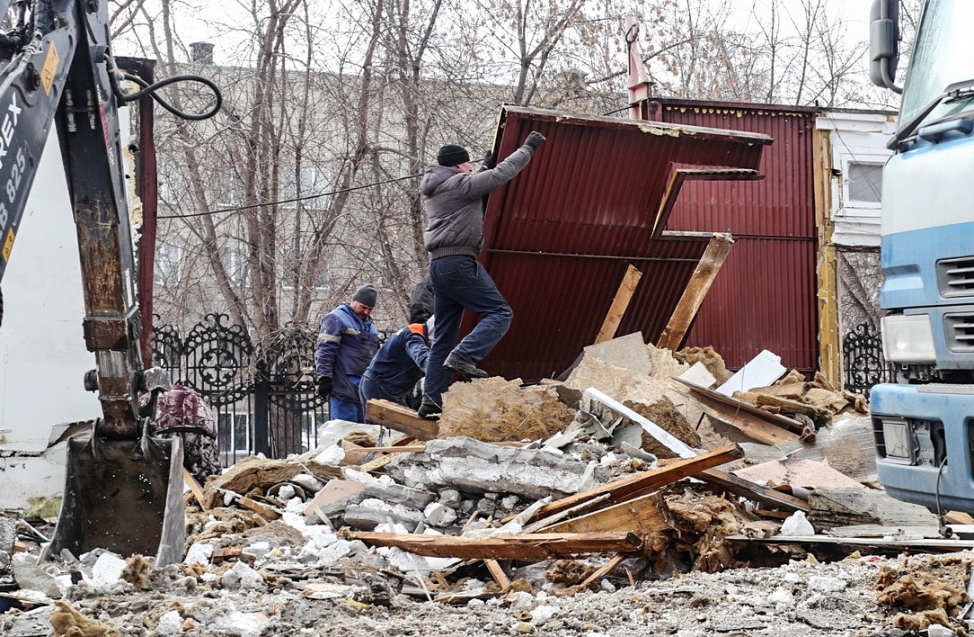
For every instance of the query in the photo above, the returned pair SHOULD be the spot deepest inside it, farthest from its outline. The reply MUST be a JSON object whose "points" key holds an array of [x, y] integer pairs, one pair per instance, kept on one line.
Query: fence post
{"points": [[262, 440]]}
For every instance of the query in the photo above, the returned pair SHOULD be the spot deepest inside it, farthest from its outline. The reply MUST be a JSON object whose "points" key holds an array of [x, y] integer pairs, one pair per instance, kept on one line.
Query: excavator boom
{"points": [[123, 487]]}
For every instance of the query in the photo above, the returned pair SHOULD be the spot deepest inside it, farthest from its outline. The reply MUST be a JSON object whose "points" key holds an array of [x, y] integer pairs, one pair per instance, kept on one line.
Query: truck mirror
{"points": [[884, 37]]}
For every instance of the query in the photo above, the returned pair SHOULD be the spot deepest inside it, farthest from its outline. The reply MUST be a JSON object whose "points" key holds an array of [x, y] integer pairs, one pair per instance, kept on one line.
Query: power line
{"points": [[284, 201]]}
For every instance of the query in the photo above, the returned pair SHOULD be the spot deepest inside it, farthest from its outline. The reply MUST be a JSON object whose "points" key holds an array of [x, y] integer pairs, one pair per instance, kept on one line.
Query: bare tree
{"points": [[307, 183]]}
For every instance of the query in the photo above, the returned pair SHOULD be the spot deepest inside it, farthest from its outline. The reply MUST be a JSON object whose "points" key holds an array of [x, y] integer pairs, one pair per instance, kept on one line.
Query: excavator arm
{"points": [[122, 486], [62, 75]]}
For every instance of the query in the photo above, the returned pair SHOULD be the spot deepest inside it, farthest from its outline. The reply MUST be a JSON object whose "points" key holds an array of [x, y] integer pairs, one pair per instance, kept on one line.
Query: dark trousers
{"points": [[370, 389], [460, 283]]}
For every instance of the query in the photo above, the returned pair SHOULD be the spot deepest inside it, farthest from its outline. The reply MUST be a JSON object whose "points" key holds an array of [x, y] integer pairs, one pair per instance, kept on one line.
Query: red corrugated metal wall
{"points": [[765, 296], [559, 237]]}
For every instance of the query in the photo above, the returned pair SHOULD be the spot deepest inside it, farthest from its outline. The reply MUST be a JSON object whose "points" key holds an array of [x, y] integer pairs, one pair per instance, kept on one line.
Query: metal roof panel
{"points": [[559, 237]]}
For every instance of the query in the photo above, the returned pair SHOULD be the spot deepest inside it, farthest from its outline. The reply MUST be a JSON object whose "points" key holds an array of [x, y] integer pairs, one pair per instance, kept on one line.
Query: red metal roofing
{"points": [[768, 282], [559, 237]]}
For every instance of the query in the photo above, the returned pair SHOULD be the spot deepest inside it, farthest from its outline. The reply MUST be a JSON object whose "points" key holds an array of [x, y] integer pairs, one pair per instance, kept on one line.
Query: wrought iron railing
{"points": [[263, 395], [864, 364]]}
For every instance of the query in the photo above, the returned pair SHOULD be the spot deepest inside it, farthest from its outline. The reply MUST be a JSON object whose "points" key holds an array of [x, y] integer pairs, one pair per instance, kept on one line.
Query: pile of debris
{"points": [[640, 465]]}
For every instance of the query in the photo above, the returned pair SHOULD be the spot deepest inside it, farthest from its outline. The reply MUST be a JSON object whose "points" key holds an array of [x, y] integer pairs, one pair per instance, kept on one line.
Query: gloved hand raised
{"points": [[534, 140], [324, 387], [490, 161]]}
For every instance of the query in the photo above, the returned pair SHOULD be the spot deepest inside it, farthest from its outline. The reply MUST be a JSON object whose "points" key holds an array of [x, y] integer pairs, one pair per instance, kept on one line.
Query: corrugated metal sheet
{"points": [[559, 237], [768, 283]]}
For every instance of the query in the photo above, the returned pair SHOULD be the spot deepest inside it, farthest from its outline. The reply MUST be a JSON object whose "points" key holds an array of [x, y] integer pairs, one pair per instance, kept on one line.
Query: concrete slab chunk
{"points": [[479, 467]]}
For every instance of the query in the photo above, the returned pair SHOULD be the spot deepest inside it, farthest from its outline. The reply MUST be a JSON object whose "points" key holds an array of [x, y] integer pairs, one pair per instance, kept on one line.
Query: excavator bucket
{"points": [[125, 496]]}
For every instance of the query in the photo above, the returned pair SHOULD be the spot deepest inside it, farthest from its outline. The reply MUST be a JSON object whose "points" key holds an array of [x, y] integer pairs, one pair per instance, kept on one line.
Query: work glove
{"points": [[324, 387], [534, 140], [490, 161]]}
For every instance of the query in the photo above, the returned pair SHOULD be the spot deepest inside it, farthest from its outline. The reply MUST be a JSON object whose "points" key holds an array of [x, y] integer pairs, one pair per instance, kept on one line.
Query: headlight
{"points": [[908, 339]]}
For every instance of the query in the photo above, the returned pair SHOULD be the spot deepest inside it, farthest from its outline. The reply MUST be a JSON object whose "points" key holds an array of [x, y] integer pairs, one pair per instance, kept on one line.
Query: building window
{"points": [[234, 432], [865, 182]]}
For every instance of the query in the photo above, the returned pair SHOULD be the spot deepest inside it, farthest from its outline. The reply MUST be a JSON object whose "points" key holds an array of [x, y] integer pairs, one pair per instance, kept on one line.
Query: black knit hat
{"points": [[452, 155], [366, 295]]}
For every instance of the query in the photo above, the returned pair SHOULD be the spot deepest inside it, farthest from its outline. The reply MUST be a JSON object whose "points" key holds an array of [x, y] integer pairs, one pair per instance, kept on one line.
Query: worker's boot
{"points": [[456, 364], [429, 409]]}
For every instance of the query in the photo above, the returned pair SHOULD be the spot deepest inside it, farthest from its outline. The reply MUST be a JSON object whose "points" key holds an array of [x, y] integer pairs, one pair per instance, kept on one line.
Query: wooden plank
{"points": [[695, 292], [395, 416], [838, 507], [377, 463], [619, 304], [394, 449], [629, 487], [588, 505], [532, 547], [642, 516], [499, 575], [463, 598], [195, 488], [754, 491], [268, 512], [749, 419], [602, 571], [829, 339]]}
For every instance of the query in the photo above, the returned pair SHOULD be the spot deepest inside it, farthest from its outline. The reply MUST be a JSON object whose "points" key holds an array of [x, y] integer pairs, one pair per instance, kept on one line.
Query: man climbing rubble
{"points": [[453, 237]]}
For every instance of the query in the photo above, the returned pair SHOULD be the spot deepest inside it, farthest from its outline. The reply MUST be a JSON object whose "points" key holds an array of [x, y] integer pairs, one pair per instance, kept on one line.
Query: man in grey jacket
{"points": [[454, 235]]}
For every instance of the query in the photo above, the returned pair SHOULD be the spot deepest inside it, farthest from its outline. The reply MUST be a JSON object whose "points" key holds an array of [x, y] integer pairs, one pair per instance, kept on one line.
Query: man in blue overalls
{"points": [[347, 341]]}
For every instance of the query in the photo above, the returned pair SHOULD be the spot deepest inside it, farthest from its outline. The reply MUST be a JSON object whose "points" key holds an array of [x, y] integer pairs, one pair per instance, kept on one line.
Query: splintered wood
{"points": [[530, 547], [642, 483], [403, 419]]}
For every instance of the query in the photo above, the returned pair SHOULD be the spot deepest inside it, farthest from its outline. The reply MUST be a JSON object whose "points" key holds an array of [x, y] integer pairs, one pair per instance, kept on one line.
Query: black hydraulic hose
{"points": [[150, 90]]}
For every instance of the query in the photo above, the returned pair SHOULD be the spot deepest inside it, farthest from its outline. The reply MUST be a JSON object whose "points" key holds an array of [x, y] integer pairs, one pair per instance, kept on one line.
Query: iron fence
{"points": [[262, 394], [864, 364]]}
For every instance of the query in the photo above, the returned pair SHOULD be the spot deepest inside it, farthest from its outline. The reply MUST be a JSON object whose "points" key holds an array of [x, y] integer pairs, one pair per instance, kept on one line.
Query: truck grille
{"points": [[956, 277], [960, 332]]}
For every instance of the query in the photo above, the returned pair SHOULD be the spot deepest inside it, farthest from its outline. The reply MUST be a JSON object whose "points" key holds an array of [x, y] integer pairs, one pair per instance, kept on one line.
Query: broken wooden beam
{"points": [[817, 414], [695, 292], [195, 488], [619, 304], [530, 547], [641, 483], [753, 491], [499, 575], [264, 510], [403, 419], [643, 516], [602, 571], [755, 423]]}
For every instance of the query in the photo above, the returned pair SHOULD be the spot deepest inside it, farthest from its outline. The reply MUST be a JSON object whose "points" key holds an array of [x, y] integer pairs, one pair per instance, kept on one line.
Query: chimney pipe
{"points": [[201, 52]]}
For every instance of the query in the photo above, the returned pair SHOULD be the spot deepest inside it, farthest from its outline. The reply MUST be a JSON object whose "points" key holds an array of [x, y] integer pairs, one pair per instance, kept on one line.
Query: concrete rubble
{"points": [[531, 497]]}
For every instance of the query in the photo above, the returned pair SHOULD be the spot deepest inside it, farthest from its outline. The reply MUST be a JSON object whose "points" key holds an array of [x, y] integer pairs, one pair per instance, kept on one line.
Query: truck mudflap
{"points": [[124, 496], [925, 443]]}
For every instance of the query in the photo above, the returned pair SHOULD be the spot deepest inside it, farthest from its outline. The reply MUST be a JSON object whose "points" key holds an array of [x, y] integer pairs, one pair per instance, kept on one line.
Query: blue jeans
{"points": [[459, 283]]}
